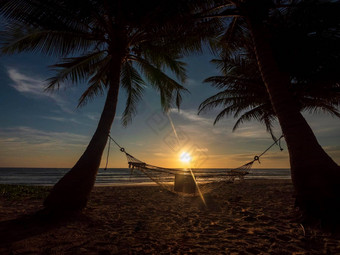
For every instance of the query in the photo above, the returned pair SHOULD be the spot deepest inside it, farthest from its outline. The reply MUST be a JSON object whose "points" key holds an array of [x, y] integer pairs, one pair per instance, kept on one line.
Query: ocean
{"points": [[115, 176]]}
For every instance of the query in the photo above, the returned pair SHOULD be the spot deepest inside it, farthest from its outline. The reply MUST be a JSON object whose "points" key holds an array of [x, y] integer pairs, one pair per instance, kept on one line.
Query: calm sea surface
{"points": [[114, 176]]}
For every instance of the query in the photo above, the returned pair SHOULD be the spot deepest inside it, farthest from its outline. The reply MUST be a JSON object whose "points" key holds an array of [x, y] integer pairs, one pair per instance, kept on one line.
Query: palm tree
{"points": [[245, 97], [316, 177], [242, 94], [109, 44]]}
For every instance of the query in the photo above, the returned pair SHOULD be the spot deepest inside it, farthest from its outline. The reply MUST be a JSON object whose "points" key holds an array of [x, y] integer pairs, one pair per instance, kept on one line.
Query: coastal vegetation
{"points": [[19, 192]]}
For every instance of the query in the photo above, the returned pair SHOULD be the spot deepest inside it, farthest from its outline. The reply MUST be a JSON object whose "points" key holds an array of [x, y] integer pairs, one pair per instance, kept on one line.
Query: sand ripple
{"points": [[253, 217]]}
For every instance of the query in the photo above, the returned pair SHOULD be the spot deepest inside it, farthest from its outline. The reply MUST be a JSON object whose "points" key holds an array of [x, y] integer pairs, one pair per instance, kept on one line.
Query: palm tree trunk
{"points": [[315, 176], [71, 193]]}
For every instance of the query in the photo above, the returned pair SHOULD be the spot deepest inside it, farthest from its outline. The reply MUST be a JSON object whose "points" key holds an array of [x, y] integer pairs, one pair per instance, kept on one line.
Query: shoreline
{"points": [[249, 217], [138, 184]]}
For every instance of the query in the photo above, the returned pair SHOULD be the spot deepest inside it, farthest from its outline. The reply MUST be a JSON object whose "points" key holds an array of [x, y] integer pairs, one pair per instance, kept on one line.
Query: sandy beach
{"points": [[250, 217]]}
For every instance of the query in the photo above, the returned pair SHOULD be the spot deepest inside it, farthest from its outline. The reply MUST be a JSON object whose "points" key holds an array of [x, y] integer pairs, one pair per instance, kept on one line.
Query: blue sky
{"points": [[39, 129]]}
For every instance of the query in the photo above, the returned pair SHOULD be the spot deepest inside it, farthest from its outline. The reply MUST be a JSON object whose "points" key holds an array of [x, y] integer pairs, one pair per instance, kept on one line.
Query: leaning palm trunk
{"points": [[71, 193], [315, 176], [109, 44]]}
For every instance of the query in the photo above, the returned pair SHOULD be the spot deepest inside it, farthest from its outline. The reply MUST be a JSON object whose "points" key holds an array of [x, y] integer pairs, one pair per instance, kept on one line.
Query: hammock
{"points": [[185, 182]]}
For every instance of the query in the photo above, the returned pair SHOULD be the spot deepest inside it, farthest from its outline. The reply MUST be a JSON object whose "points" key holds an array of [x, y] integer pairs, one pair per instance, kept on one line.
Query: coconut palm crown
{"points": [[243, 94], [107, 44]]}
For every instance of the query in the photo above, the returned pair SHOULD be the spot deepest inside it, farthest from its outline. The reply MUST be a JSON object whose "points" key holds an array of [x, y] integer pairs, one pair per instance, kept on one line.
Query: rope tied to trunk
{"points": [[277, 142], [108, 150]]}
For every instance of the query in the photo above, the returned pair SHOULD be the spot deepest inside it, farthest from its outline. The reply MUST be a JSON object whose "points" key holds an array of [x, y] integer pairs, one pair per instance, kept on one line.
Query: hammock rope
{"points": [[277, 142], [165, 177]]}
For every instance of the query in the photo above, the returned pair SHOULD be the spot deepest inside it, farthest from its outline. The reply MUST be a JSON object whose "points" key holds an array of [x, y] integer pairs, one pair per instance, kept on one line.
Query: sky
{"points": [[39, 129]]}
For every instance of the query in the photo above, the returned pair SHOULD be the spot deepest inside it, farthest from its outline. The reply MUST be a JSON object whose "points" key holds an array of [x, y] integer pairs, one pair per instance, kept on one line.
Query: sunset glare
{"points": [[185, 157]]}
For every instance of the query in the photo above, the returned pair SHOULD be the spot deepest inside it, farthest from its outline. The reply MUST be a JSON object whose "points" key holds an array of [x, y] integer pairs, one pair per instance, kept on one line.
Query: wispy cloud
{"points": [[93, 116], [323, 125], [335, 148], [334, 152], [191, 82], [191, 115], [28, 147], [17, 138], [62, 119], [26, 84], [34, 86], [160, 154], [203, 149], [254, 132]]}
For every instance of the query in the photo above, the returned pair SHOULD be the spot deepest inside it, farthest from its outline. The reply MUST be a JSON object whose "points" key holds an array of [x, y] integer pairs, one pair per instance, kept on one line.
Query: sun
{"points": [[185, 157]]}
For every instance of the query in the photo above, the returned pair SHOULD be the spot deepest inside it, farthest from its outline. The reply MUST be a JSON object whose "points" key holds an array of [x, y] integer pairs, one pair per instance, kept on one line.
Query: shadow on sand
{"points": [[32, 225]]}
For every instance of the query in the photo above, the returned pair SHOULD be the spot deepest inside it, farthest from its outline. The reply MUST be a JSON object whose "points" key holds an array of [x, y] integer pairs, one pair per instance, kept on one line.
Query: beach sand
{"points": [[250, 217]]}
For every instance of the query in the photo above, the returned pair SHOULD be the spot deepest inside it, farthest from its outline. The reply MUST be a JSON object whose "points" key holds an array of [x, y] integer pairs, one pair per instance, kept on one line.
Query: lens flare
{"points": [[185, 157]]}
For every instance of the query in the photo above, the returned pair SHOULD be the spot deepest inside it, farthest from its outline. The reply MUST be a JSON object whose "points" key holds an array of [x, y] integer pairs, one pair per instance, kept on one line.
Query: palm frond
{"points": [[224, 113], [255, 113], [220, 99], [51, 14], [92, 91], [221, 82], [133, 83], [160, 81], [58, 43], [194, 35], [97, 82], [268, 120], [77, 69], [163, 60], [314, 105]]}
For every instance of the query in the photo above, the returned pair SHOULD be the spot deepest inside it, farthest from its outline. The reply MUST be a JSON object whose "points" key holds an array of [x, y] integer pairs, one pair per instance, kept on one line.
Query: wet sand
{"points": [[250, 217]]}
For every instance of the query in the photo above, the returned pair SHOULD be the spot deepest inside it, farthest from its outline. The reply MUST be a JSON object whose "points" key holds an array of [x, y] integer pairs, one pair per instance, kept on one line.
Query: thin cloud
{"points": [[61, 119], [54, 118], [28, 147], [203, 150], [254, 132], [159, 154], [25, 137], [191, 82], [335, 148], [191, 115], [93, 116], [34, 86], [25, 84], [334, 152], [323, 125]]}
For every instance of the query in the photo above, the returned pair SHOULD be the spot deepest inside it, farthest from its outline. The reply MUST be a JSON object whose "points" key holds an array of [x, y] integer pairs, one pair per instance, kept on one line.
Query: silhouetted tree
{"points": [[109, 44], [316, 177]]}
